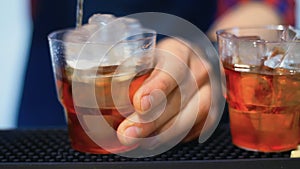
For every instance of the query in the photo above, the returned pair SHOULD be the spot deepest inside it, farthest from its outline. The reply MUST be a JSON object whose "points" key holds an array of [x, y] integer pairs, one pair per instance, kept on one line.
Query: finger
{"points": [[199, 66], [136, 126], [180, 127], [153, 91], [195, 131], [206, 121], [140, 126], [169, 72]]}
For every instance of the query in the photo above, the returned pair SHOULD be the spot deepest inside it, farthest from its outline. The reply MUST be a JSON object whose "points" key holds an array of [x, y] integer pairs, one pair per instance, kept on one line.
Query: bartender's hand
{"points": [[149, 98]]}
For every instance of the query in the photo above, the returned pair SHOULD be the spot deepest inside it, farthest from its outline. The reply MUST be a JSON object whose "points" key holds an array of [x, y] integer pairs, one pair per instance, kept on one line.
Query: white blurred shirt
{"points": [[15, 33]]}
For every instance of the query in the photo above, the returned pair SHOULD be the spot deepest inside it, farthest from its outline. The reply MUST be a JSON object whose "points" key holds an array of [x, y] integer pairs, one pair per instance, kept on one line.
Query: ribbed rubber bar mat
{"points": [[50, 148]]}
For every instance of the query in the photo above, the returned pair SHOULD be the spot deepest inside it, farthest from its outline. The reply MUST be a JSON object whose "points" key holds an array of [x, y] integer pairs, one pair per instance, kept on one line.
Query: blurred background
{"points": [[27, 90]]}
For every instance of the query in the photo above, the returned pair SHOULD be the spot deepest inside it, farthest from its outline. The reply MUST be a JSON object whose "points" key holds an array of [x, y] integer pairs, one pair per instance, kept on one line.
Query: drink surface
{"points": [[90, 123], [264, 107]]}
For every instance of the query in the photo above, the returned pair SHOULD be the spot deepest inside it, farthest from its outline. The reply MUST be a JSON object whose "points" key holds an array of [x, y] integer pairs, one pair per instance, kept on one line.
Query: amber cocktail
{"points": [[98, 68], [262, 68]]}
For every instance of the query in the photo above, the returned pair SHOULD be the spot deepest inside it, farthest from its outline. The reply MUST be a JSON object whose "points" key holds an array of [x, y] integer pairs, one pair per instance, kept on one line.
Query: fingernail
{"points": [[132, 134], [146, 103]]}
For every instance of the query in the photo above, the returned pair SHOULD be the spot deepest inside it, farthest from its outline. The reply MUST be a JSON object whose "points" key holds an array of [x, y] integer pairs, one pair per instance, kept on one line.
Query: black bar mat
{"points": [[50, 148]]}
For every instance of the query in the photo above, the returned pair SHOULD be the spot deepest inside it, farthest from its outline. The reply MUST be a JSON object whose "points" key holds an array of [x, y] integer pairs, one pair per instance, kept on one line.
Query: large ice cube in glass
{"points": [[250, 50], [106, 40]]}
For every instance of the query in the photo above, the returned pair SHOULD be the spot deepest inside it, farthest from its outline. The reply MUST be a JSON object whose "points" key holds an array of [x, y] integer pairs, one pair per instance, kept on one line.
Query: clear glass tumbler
{"points": [[95, 84], [262, 68]]}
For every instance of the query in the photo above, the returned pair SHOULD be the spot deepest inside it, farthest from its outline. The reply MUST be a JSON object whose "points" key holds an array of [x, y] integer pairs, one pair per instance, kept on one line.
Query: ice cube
{"points": [[228, 48], [101, 19], [250, 50], [132, 23], [104, 41], [80, 35], [116, 32], [81, 54], [274, 55], [291, 61], [288, 34], [289, 64], [111, 29], [101, 41], [82, 64], [285, 57], [274, 61]]}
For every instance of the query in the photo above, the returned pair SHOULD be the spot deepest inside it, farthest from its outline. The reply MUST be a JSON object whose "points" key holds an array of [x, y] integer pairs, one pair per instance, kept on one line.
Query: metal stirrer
{"points": [[79, 13]]}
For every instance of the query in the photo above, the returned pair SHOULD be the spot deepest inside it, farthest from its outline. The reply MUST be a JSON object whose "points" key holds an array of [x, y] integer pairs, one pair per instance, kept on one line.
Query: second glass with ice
{"points": [[98, 68], [262, 68]]}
